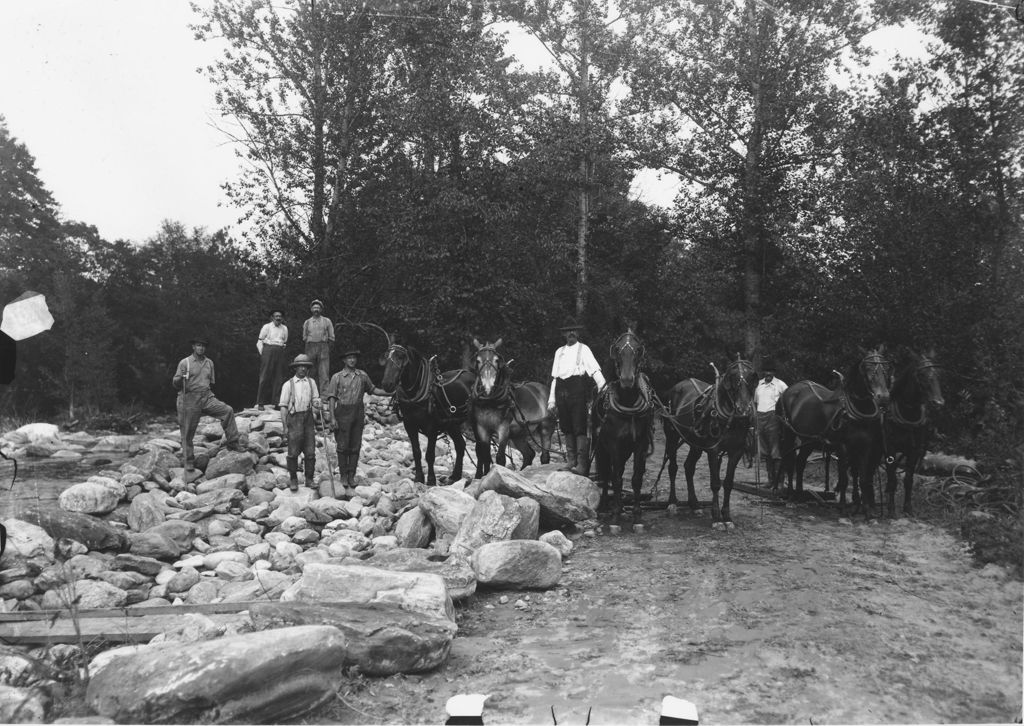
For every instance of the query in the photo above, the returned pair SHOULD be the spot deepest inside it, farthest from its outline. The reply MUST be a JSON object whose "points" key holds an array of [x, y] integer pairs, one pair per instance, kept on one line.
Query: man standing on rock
{"points": [[769, 428], [271, 344], [347, 414], [573, 364], [318, 335], [299, 398], [193, 380]]}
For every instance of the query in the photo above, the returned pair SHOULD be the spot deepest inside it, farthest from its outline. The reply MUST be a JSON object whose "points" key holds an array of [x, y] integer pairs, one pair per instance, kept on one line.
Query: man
{"points": [[347, 415], [299, 398], [318, 335], [769, 428], [573, 364], [271, 344], [193, 380]]}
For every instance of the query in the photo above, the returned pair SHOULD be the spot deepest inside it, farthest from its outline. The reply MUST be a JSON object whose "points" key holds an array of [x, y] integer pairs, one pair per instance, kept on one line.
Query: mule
{"points": [[502, 410], [622, 421], [712, 418], [915, 388], [429, 403]]}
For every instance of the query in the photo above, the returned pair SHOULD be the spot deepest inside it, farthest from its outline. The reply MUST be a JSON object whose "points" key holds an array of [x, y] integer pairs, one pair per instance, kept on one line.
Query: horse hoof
{"points": [[672, 509], [614, 529], [718, 525], [638, 528], [729, 525]]}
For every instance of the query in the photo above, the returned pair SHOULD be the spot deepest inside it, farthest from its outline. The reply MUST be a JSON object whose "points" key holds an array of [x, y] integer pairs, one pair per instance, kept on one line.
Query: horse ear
{"points": [[477, 343], [497, 342]]}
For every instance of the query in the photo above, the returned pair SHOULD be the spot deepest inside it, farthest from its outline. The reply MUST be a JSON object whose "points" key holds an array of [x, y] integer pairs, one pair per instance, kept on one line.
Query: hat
{"points": [[571, 325], [347, 353], [301, 360], [316, 302], [198, 339], [768, 364], [276, 310]]}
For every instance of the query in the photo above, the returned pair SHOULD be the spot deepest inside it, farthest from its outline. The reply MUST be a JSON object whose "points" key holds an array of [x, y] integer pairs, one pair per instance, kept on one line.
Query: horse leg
{"points": [[891, 482], [546, 429], [455, 434], [843, 478], [908, 483], [618, 465], [483, 449], [672, 442], [417, 456], [801, 465], [431, 453], [689, 467], [714, 466], [522, 444], [639, 467], [730, 473], [826, 454]]}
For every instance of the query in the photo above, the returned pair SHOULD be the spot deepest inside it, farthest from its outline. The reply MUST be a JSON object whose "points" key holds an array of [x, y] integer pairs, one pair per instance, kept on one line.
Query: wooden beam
{"points": [[127, 612]]}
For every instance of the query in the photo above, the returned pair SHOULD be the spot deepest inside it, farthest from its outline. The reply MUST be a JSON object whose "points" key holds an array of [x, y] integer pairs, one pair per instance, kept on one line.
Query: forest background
{"points": [[403, 166]]}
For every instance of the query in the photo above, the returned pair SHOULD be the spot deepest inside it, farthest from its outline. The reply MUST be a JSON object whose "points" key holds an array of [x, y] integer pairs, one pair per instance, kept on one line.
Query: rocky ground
{"points": [[794, 616]]}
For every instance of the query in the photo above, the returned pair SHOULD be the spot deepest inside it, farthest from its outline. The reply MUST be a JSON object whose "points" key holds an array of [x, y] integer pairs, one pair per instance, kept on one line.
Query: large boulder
{"points": [[493, 519], [559, 541], [323, 510], [23, 705], [421, 592], [153, 544], [230, 462], [143, 464], [382, 640], [458, 575], [227, 481], [148, 510], [518, 563], [446, 507], [26, 541], [88, 498], [414, 529], [270, 676], [178, 531], [115, 443], [89, 594], [564, 497], [60, 524], [265, 585], [529, 522]]}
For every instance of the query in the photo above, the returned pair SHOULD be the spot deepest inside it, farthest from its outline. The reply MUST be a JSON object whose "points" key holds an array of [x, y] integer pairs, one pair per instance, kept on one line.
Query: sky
{"points": [[106, 96]]}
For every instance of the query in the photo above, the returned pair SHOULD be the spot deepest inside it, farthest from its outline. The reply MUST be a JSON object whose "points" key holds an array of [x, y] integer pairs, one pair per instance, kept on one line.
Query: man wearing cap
{"points": [[347, 414], [573, 364], [299, 398], [769, 428], [271, 344], [193, 380], [318, 335]]}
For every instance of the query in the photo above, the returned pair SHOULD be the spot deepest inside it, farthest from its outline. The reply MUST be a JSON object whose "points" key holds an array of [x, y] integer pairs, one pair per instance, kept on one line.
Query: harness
{"points": [[428, 379]]}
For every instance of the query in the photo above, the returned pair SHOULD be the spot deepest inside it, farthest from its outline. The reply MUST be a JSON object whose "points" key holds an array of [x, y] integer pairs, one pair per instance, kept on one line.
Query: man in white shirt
{"points": [[299, 397], [573, 364], [271, 346], [769, 428]]}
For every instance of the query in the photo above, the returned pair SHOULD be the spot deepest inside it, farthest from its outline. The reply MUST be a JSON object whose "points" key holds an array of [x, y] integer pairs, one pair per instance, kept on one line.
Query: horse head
{"points": [[926, 377], [395, 361], [488, 365], [736, 387], [872, 377], [628, 354]]}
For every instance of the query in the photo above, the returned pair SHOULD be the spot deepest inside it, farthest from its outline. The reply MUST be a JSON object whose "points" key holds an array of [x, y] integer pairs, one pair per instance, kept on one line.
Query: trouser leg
{"points": [[226, 415], [279, 372], [189, 413], [570, 450], [309, 448], [583, 457]]}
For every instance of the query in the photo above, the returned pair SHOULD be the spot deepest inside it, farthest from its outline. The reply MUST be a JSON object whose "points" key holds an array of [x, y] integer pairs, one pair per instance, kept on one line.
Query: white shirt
{"points": [[767, 394], [272, 334], [304, 390], [576, 360]]}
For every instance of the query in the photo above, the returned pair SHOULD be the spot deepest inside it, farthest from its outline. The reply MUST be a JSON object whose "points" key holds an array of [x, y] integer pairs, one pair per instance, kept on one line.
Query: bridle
{"points": [[923, 384], [868, 367], [644, 404], [734, 410], [627, 341], [502, 390]]}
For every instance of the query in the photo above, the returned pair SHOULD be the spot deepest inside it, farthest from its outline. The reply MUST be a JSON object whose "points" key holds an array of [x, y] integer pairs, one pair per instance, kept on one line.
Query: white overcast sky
{"points": [[105, 95]]}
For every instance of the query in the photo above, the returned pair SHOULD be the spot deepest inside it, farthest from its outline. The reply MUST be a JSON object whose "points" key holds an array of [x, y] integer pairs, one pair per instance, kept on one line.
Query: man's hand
{"points": [[551, 403], [317, 403]]}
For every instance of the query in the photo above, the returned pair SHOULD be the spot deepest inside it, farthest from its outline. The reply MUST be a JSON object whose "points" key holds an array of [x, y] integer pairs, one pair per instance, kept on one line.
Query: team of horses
{"points": [[877, 414]]}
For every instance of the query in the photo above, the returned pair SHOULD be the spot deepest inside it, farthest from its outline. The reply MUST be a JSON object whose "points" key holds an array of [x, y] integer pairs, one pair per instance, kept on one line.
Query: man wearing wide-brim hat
{"points": [[347, 412], [194, 379], [318, 336], [769, 427], [573, 365], [299, 398], [271, 346]]}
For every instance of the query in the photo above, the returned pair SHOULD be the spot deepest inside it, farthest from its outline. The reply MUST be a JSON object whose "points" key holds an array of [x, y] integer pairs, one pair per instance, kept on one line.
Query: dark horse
{"points": [[847, 418], [622, 420], [429, 402], [712, 418], [502, 410], [906, 427]]}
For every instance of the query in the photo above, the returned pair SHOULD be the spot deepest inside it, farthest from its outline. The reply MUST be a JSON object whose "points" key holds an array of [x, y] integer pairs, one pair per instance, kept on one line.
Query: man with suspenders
{"points": [[299, 396], [573, 364]]}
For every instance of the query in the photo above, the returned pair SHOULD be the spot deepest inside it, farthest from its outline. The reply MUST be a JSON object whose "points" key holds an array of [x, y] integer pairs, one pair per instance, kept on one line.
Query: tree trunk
{"points": [[318, 221], [584, 200], [752, 223]]}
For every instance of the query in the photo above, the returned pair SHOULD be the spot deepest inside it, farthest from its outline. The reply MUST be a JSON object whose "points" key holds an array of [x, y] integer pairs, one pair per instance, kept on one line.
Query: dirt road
{"points": [[792, 617]]}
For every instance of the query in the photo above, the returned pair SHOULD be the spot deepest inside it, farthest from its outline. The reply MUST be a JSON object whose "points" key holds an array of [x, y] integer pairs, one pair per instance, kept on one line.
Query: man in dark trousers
{"points": [[347, 413], [318, 336], [299, 398], [769, 427], [193, 380], [271, 346], [573, 364]]}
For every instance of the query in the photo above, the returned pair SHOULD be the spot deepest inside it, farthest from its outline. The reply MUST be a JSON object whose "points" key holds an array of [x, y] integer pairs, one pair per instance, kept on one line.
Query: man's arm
{"points": [[178, 381], [330, 330], [591, 367], [551, 393], [264, 331], [213, 377]]}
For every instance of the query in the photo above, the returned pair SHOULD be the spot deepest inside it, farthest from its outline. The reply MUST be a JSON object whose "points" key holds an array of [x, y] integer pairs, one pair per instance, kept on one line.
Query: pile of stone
{"points": [[362, 578]]}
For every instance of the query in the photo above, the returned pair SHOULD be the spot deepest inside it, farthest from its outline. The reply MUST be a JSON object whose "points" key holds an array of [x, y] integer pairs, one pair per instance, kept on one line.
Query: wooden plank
{"points": [[128, 630], [128, 612]]}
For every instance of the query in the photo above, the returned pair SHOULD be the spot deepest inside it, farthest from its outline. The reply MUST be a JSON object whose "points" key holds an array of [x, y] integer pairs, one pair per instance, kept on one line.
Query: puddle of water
{"points": [[42, 481]]}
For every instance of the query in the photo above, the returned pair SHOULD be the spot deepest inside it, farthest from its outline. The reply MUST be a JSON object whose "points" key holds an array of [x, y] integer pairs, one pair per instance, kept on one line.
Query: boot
{"points": [[583, 457], [570, 452], [293, 473], [310, 466], [350, 479]]}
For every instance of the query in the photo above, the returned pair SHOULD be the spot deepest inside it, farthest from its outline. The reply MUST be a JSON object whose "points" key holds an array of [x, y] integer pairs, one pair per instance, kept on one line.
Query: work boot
{"points": [[293, 472], [770, 464], [350, 479], [570, 453], [310, 469], [583, 457]]}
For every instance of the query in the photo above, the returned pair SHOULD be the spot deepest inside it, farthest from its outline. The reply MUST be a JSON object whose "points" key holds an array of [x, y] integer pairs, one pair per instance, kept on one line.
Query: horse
{"points": [[847, 418], [622, 421], [502, 410], [429, 402], [712, 418], [812, 418], [906, 427]]}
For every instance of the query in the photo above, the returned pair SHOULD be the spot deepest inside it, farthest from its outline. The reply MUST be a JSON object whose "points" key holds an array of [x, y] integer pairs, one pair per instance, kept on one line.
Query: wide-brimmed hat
{"points": [[275, 310], [316, 302], [354, 352], [768, 364], [198, 339], [571, 324], [301, 360]]}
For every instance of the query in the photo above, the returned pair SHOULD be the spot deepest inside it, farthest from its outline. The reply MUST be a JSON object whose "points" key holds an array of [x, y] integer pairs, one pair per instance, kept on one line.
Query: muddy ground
{"points": [[791, 617]]}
